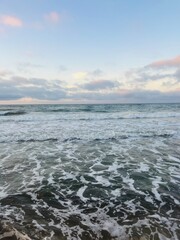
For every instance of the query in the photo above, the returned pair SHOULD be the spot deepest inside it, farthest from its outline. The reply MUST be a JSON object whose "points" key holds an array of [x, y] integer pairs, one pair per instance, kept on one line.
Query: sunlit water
{"points": [[91, 171]]}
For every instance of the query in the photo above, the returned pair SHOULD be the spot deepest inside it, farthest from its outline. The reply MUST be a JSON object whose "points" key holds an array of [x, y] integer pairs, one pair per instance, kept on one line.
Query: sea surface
{"points": [[91, 171]]}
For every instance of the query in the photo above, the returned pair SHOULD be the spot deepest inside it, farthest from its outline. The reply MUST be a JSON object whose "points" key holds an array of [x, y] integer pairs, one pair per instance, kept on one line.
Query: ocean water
{"points": [[91, 171]]}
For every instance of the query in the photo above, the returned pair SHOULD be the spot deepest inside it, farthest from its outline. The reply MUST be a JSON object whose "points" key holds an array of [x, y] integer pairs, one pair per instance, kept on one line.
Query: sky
{"points": [[89, 51]]}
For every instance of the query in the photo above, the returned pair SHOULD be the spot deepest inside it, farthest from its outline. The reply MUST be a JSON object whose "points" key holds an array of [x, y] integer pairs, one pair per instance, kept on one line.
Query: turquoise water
{"points": [[91, 171]]}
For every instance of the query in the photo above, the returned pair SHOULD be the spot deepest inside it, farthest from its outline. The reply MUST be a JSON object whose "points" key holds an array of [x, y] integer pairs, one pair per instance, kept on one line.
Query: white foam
{"points": [[130, 183], [83, 180], [113, 168], [149, 199], [143, 167], [115, 229], [3, 192], [51, 179], [80, 193], [174, 159], [116, 192], [105, 182], [155, 183], [175, 200], [38, 226]]}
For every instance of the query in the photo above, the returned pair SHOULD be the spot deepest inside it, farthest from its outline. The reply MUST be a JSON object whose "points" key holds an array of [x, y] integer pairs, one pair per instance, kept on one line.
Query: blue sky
{"points": [[76, 51]]}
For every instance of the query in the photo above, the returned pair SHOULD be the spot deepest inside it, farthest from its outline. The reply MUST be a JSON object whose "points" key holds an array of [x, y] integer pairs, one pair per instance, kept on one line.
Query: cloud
{"points": [[10, 21], [96, 73], [156, 96], [174, 62], [99, 85], [140, 85], [177, 75], [53, 17], [144, 76], [4, 73], [18, 87], [152, 78], [80, 75], [127, 96], [15, 88]]}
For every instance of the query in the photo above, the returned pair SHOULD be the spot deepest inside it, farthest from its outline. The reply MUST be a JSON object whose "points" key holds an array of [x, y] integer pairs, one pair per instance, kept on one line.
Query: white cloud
{"points": [[139, 85], [173, 62], [99, 85], [80, 75], [10, 21], [18, 87], [53, 17]]}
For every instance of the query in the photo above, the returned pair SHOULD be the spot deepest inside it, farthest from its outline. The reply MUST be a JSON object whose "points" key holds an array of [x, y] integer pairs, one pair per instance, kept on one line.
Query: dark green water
{"points": [[91, 171]]}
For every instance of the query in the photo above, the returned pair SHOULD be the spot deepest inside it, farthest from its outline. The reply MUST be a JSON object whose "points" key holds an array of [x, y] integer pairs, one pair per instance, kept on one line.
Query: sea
{"points": [[104, 172]]}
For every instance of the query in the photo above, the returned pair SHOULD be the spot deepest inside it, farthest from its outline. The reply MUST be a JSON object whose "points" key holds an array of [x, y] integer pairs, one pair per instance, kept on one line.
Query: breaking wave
{"points": [[13, 113]]}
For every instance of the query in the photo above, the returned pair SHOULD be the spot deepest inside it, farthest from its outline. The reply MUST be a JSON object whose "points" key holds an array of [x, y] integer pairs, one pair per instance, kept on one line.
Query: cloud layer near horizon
{"points": [[16, 88], [146, 84], [42, 89]]}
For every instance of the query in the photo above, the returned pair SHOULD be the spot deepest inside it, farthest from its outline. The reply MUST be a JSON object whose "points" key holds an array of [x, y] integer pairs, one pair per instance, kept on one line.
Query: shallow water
{"points": [[91, 171]]}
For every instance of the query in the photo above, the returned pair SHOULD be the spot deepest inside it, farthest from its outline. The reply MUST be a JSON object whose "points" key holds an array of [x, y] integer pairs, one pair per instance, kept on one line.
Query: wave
{"points": [[75, 110], [149, 117], [72, 139], [38, 140], [58, 110], [94, 140], [124, 118], [124, 137], [5, 109], [13, 113], [165, 135], [110, 138]]}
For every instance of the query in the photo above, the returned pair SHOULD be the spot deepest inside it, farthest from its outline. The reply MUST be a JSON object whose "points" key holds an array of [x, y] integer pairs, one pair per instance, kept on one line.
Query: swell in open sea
{"points": [[91, 171]]}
